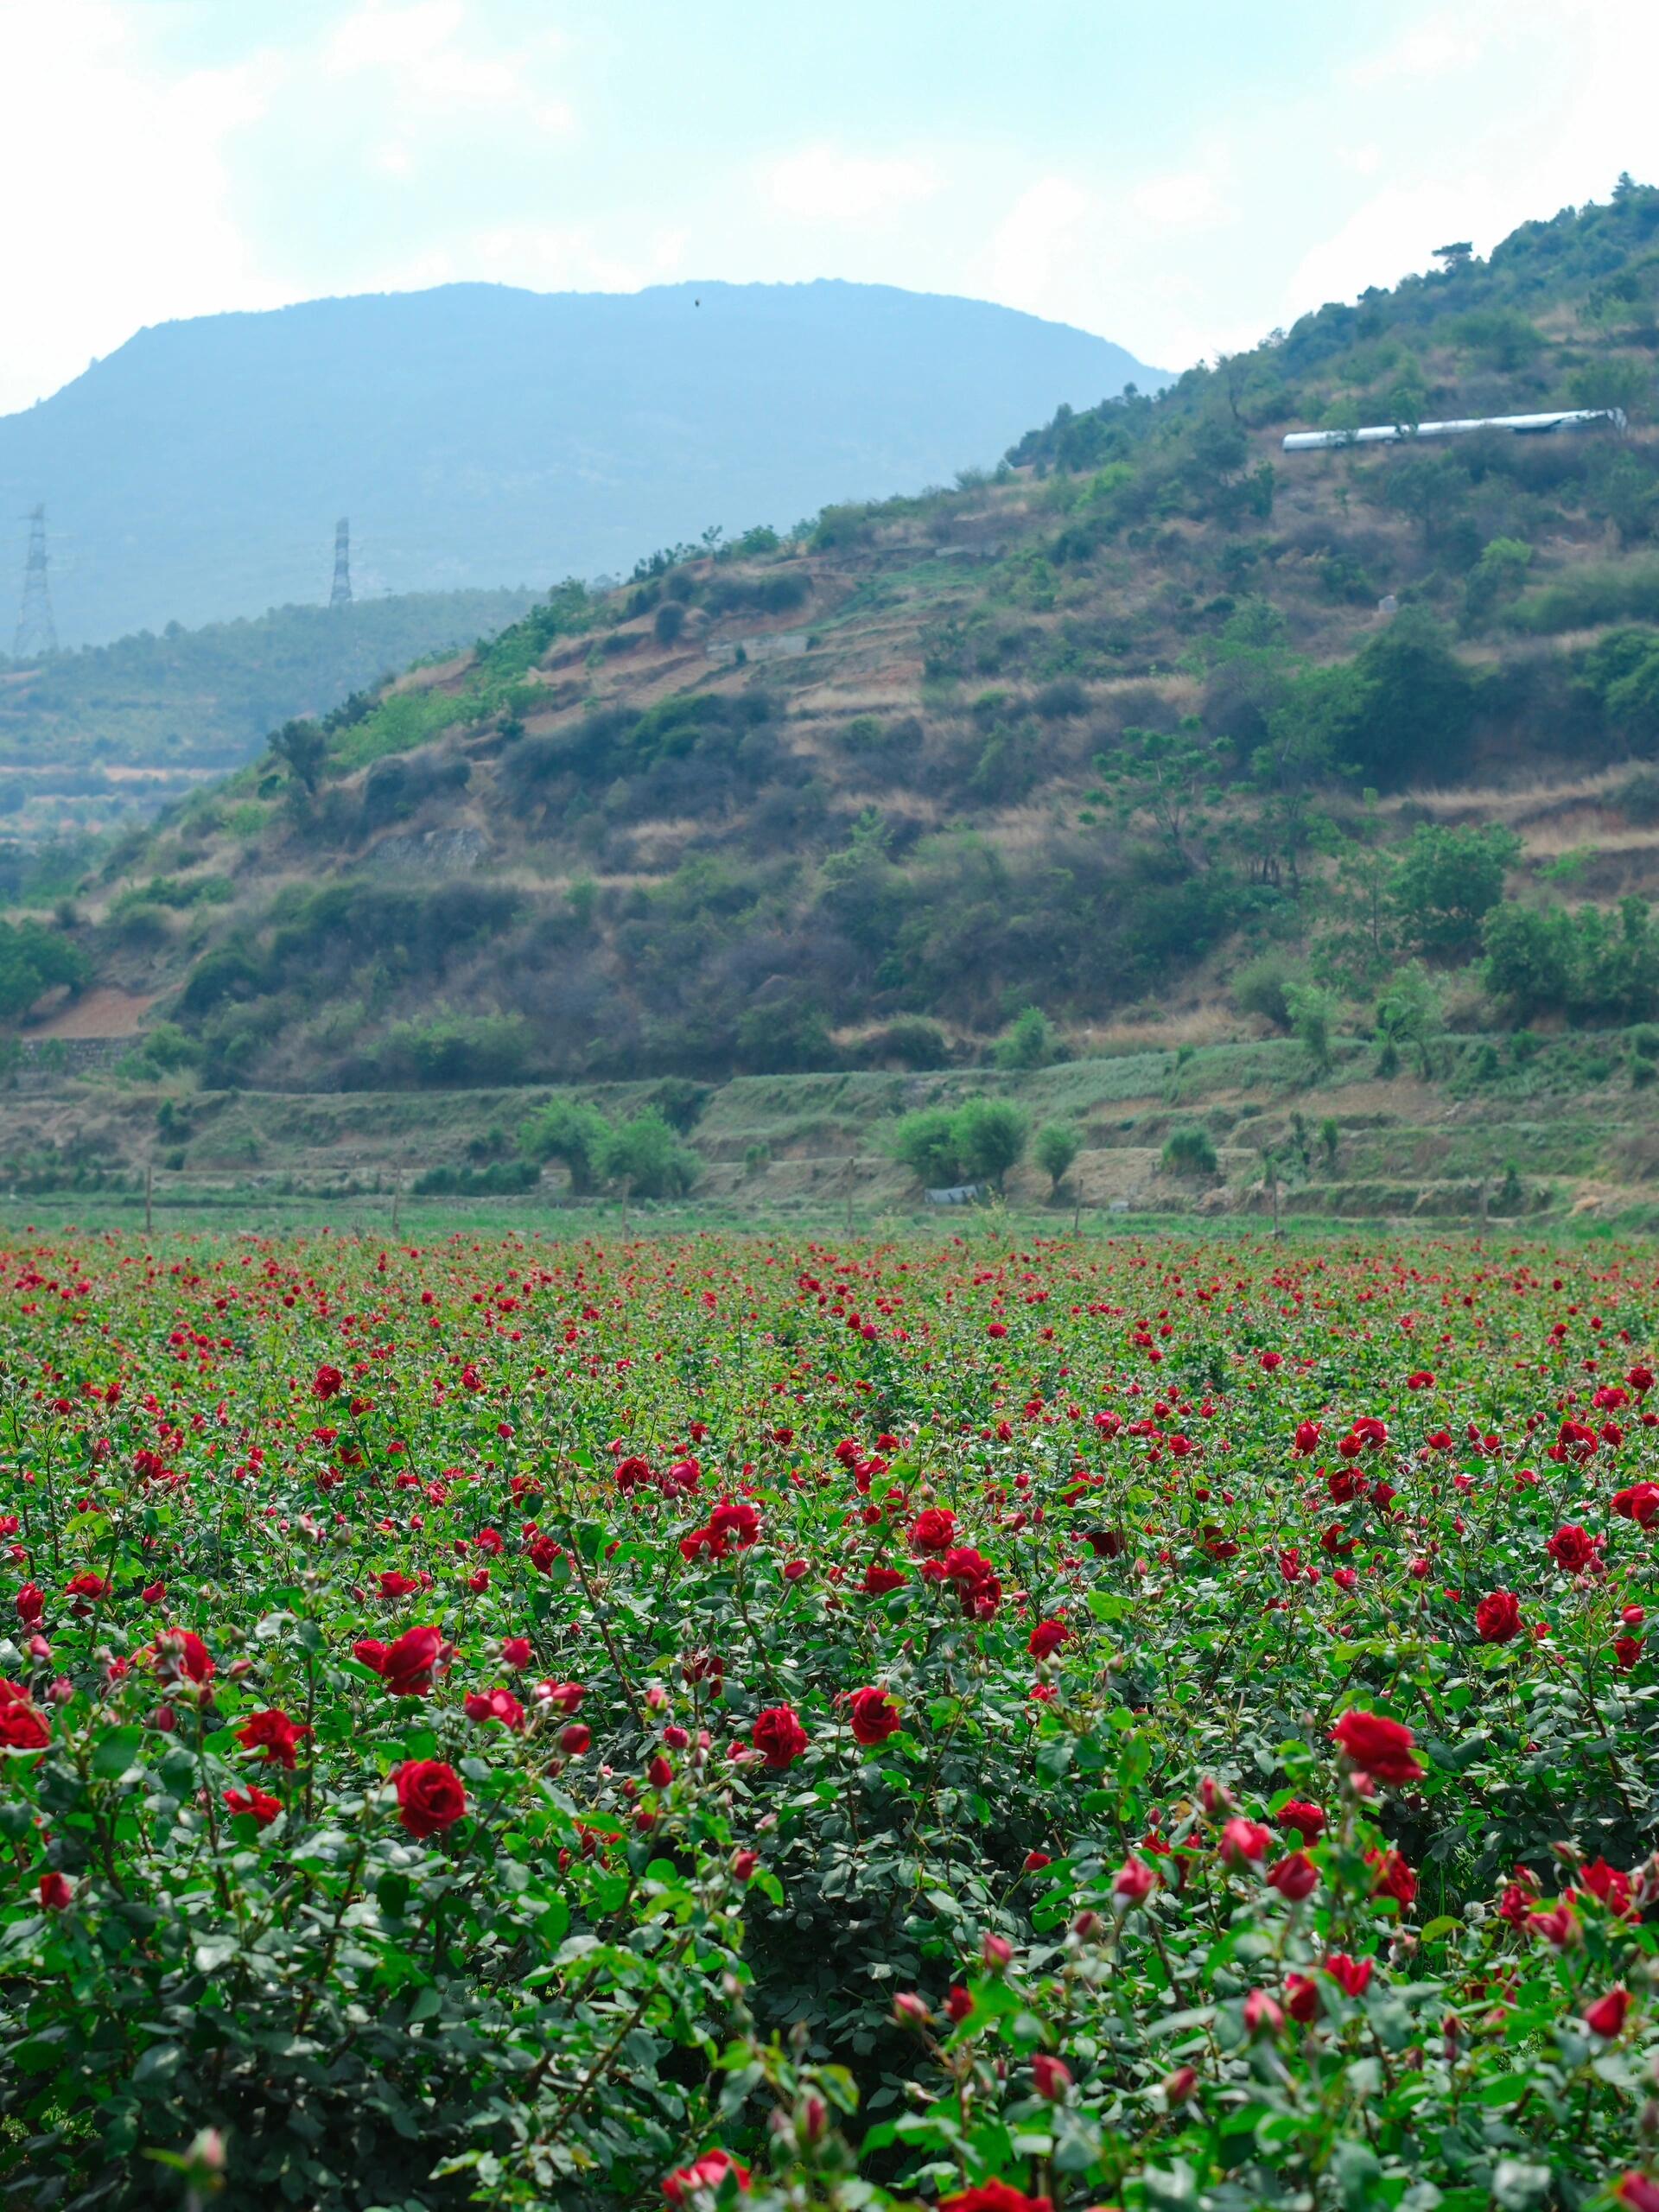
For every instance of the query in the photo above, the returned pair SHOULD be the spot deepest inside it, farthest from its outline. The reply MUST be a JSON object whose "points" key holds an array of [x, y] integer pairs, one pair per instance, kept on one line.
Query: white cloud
{"points": [[822, 184], [122, 171], [418, 48], [1038, 244]]}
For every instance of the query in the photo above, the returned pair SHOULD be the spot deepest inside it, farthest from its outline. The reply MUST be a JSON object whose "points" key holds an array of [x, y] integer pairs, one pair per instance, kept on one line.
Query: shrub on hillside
{"points": [[1189, 1152]]}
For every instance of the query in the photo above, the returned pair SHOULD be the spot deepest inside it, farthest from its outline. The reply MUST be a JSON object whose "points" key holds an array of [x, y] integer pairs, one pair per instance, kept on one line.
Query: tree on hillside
{"points": [[302, 750], [1057, 1144], [1448, 881], [576, 1134]]}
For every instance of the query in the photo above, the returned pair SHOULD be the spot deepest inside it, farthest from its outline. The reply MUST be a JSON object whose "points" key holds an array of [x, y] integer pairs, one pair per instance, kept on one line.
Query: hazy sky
{"points": [[1180, 177]]}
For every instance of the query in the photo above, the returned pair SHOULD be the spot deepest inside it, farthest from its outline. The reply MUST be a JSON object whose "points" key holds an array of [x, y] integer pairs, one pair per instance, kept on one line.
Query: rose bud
{"points": [[909, 2010], [1052, 2077], [1180, 2085], [744, 1864], [995, 1950], [576, 1738]]}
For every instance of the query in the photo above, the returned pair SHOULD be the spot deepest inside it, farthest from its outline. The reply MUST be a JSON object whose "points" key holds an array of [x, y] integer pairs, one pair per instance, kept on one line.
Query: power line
{"points": [[341, 593], [36, 634]]}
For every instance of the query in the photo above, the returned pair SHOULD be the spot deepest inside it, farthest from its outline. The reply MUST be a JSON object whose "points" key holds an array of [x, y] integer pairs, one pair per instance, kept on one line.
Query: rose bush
{"points": [[1139, 1725]]}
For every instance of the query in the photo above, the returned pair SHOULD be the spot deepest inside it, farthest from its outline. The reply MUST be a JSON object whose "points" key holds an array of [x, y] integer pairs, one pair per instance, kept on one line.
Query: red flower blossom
{"points": [[56, 1891], [1351, 1976], [875, 1716], [879, 1580], [1047, 1638], [21, 1727], [1380, 1747], [994, 2197], [1295, 1877], [778, 1734], [933, 1530], [1394, 1878], [273, 1733], [1497, 1618], [406, 1666], [327, 1382], [259, 1803], [430, 1797], [1303, 1820], [704, 2176], [1571, 1548], [496, 1705], [1606, 2016]]}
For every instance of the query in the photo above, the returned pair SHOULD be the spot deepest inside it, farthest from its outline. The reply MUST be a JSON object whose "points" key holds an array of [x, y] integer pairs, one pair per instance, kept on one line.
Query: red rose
{"points": [[1639, 1503], [1047, 1638], [430, 1797], [1351, 1976], [259, 1803], [935, 1530], [1243, 1842], [327, 1382], [1302, 1997], [1381, 1747], [1639, 2193], [21, 1728], [1393, 1878], [30, 1602], [778, 1734], [704, 2175], [56, 1891], [1497, 1618], [1606, 2016], [1571, 1548], [273, 1733], [406, 1666], [1051, 2077], [1305, 1821], [516, 1651], [874, 1716], [485, 1705], [878, 1580], [575, 1739], [994, 2197], [1295, 1877]]}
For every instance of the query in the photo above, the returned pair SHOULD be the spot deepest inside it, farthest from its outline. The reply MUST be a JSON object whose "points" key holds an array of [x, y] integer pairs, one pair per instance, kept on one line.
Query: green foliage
{"points": [[1189, 1152], [1029, 1042], [497, 1178], [1448, 879], [1314, 1014], [1591, 965], [34, 959], [990, 1135], [925, 1142], [1056, 1145], [1408, 1014], [979, 1141], [471, 1050], [645, 1157], [572, 1133]]}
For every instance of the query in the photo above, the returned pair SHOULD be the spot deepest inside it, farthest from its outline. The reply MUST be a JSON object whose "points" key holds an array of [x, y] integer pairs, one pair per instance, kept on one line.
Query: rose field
{"points": [[1001, 1726]]}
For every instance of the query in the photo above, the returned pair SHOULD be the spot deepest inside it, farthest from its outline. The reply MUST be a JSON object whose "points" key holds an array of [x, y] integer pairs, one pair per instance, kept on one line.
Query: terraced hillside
{"points": [[1171, 736]]}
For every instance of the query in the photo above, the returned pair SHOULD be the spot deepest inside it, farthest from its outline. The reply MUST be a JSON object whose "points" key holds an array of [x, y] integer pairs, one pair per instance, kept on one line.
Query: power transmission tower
{"points": [[341, 593], [37, 632]]}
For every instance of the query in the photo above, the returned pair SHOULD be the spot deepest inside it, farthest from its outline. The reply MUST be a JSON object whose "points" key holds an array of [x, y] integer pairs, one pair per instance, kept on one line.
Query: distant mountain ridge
{"points": [[478, 434]]}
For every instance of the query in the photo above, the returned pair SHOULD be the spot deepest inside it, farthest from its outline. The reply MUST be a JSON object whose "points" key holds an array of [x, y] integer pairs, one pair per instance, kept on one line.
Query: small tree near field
{"points": [[1057, 1144]]}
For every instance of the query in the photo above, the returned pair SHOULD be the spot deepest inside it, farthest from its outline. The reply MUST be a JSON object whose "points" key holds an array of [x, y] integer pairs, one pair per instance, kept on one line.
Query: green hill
{"points": [[90, 739], [1120, 730]]}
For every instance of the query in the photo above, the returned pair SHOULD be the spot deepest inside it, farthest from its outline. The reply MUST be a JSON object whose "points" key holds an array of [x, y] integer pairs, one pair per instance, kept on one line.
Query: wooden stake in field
{"points": [[149, 1179]]}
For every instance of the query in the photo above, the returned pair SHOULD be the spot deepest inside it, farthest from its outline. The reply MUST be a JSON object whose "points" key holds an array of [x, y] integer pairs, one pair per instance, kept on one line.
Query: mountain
{"points": [[1158, 721], [476, 434]]}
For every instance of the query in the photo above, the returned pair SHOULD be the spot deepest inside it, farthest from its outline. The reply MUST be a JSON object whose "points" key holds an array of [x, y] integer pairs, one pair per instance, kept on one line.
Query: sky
{"points": [[1181, 178]]}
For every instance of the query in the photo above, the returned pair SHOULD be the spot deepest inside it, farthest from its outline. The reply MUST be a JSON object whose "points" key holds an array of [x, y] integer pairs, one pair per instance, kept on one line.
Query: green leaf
{"points": [[115, 1752]]}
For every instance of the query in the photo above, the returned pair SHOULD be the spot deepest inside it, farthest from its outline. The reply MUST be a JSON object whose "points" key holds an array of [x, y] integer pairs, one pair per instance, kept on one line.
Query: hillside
{"points": [[90, 739], [1119, 732], [475, 433]]}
